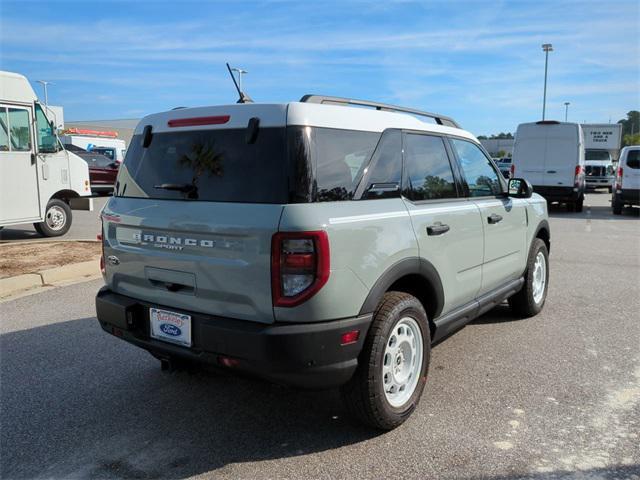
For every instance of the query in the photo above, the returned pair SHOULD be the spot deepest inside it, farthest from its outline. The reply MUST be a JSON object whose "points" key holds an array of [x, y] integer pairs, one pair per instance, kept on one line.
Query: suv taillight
{"points": [[299, 266], [102, 266]]}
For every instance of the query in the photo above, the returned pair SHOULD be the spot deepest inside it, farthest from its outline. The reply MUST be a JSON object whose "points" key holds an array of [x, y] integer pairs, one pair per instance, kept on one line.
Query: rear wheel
{"points": [[617, 206], [579, 203], [530, 300], [57, 219], [393, 364]]}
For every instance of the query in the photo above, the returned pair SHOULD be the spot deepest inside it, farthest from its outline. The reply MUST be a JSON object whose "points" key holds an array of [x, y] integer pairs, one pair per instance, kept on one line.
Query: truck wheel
{"points": [[57, 219], [393, 364], [530, 300], [617, 206], [579, 203]]}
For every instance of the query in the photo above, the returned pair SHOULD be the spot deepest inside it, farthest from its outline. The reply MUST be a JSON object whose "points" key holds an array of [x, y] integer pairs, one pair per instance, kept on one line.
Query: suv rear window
{"points": [[209, 165]]}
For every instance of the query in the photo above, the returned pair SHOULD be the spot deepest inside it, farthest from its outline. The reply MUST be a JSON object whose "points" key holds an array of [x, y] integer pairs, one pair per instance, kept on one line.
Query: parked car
{"points": [[504, 164], [627, 184], [104, 142], [102, 170], [315, 244], [550, 155], [599, 169]]}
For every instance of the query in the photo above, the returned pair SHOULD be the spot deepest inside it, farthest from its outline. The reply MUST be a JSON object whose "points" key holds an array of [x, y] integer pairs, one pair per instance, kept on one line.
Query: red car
{"points": [[102, 170]]}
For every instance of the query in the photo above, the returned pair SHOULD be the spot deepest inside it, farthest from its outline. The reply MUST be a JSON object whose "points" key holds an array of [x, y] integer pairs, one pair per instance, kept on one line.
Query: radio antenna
{"points": [[244, 98]]}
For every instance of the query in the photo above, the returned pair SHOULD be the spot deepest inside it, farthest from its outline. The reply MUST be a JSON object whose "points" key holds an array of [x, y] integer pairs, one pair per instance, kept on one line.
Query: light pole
{"points": [[547, 47], [44, 83], [566, 110], [240, 73]]}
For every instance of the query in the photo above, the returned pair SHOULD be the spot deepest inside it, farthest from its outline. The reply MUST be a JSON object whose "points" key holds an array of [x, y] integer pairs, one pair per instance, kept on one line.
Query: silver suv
{"points": [[315, 244]]}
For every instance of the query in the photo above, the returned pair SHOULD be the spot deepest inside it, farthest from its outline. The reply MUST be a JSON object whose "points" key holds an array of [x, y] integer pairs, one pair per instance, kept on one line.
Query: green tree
{"points": [[630, 128]]}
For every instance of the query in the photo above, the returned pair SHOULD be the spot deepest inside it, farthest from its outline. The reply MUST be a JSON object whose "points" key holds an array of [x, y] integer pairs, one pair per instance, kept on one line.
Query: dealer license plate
{"points": [[170, 326]]}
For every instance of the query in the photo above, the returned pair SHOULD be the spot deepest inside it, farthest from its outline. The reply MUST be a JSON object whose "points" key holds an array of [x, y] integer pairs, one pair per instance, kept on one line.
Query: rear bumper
{"points": [[563, 194], [307, 355], [594, 182], [627, 196]]}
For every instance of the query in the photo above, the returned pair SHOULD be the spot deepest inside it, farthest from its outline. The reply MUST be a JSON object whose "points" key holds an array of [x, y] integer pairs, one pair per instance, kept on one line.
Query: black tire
{"points": [[571, 206], [610, 189], [55, 207], [617, 206], [364, 394], [579, 204], [523, 303]]}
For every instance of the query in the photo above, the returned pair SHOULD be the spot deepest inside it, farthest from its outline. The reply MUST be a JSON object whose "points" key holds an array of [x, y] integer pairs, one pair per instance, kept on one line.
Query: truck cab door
{"points": [[19, 198]]}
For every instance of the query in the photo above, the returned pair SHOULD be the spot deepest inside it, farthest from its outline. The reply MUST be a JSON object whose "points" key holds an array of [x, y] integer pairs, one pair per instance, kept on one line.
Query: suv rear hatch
{"points": [[190, 224]]}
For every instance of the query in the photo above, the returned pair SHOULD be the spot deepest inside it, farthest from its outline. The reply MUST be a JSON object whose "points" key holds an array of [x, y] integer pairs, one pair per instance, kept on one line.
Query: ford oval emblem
{"points": [[170, 330]]}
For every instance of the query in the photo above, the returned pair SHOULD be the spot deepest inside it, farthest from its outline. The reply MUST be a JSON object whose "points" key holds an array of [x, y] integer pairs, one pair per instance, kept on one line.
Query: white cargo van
{"points": [[627, 184], [40, 182], [551, 156], [105, 143]]}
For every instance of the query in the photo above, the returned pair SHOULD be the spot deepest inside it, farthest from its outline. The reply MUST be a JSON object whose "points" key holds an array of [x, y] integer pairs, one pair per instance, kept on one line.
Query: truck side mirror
{"points": [[520, 188]]}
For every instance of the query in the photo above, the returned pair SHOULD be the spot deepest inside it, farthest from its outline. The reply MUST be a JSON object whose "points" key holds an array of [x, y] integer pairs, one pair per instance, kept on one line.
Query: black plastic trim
{"points": [[459, 317], [408, 266], [308, 355]]}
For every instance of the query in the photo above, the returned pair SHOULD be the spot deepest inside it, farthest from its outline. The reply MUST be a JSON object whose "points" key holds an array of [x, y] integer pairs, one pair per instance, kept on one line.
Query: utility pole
{"points": [[566, 110], [44, 83], [547, 47], [240, 73]]}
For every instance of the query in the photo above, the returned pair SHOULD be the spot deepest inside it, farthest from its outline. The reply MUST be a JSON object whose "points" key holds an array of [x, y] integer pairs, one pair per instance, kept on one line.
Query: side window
{"points": [[4, 130], [19, 130], [385, 167], [340, 156], [478, 171], [428, 173], [46, 137], [633, 159]]}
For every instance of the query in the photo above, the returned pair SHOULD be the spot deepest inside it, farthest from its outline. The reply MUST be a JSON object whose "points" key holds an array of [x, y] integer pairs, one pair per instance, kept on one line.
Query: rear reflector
{"points": [[196, 121], [228, 361], [348, 338]]}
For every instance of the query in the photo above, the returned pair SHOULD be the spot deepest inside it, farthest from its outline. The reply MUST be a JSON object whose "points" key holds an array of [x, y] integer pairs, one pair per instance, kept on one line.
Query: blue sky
{"points": [[480, 62]]}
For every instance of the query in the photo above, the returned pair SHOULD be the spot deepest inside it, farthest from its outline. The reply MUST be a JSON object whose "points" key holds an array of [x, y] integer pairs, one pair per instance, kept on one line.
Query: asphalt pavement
{"points": [[554, 396], [84, 226]]}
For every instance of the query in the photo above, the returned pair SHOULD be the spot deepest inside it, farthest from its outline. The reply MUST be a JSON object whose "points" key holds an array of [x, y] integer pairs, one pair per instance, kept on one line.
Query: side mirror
{"points": [[520, 188]]}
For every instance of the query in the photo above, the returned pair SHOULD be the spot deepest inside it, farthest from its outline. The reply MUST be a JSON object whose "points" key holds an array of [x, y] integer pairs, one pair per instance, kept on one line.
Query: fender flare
{"points": [[407, 266], [544, 224]]}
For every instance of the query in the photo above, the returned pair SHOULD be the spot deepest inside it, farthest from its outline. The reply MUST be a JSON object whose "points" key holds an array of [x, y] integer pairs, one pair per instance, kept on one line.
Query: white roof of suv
{"points": [[345, 116]]}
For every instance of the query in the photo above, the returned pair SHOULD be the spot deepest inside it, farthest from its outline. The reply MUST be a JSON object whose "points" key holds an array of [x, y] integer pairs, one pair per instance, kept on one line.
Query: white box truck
{"points": [[602, 149], [40, 182], [550, 155]]}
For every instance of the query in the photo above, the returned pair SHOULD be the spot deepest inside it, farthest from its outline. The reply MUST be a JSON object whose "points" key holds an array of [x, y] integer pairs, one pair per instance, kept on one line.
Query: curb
{"points": [[75, 271]]}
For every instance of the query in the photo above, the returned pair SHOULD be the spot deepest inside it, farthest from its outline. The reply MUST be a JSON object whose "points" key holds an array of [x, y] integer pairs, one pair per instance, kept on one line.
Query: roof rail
{"points": [[440, 119]]}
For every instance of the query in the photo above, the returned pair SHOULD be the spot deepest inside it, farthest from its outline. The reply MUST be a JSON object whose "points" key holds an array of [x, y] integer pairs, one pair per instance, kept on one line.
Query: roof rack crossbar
{"points": [[440, 119]]}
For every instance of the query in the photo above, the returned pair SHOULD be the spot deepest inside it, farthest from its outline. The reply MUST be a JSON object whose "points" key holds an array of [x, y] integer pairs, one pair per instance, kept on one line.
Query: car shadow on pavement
{"points": [[500, 314], [593, 212], [18, 234], [77, 402]]}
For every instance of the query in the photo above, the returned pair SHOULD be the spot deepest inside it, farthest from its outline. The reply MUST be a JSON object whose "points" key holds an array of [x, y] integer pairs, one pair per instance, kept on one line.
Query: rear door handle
{"points": [[494, 218], [437, 229]]}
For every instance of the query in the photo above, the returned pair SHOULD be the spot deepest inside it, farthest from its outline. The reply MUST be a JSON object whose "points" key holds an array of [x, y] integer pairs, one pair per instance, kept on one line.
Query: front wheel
{"points": [[57, 219], [530, 300], [393, 364]]}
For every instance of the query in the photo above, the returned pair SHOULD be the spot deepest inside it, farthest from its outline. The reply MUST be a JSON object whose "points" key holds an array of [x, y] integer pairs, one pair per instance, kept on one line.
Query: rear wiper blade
{"points": [[179, 187]]}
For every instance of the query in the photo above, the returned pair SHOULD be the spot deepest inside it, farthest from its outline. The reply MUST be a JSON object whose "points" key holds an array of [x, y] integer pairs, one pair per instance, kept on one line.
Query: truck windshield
{"points": [[596, 155], [107, 152]]}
